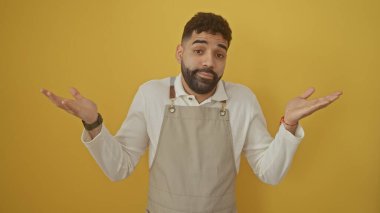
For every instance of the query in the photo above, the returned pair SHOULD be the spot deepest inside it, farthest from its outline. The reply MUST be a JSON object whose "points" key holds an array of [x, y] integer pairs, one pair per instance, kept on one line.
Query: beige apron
{"points": [[194, 166]]}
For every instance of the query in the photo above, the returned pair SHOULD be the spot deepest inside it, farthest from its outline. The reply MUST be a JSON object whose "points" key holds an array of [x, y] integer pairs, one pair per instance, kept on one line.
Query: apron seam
{"points": [[189, 195], [161, 206], [164, 207], [164, 121], [232, 142]]}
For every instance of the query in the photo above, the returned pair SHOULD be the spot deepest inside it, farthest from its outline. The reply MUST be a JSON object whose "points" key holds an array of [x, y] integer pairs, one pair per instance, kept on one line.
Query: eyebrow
{"points": [[205, 42]]}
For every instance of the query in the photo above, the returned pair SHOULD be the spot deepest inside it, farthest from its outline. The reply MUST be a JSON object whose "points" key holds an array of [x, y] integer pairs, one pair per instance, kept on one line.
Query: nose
{"points": [[208, 60]]}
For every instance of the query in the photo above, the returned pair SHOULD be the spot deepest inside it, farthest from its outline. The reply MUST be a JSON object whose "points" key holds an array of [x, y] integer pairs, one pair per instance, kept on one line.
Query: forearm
{"points": [[93, 133], [109, 154], [276, 161], [271, 158]]}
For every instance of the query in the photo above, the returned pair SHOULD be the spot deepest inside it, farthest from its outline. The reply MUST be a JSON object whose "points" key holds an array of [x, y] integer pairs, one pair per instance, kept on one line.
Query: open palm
{"points": [[80, 106], [300, 107]]}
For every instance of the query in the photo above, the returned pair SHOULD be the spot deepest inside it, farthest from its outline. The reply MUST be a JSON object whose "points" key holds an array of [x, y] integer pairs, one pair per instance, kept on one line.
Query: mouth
{"points": [[205, 75]]}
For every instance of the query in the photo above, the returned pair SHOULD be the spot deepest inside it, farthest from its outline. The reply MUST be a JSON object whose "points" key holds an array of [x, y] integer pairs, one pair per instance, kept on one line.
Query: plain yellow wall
{"points": [[106, 49]]}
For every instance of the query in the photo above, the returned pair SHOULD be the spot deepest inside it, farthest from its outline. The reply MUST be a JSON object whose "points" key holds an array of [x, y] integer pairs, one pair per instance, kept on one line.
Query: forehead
{"points": [[211, 39]]}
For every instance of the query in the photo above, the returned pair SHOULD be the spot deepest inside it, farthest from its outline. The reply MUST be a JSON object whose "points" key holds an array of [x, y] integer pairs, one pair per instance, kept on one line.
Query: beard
{"points": [[198, 84]]}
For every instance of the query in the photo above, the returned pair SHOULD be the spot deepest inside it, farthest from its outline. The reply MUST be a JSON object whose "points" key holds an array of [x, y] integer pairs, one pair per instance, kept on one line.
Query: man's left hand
{"points": [[300, 107]]}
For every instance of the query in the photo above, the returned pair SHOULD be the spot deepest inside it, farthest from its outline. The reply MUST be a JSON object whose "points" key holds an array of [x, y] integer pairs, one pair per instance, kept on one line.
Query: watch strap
{"points": [[92, 126]]}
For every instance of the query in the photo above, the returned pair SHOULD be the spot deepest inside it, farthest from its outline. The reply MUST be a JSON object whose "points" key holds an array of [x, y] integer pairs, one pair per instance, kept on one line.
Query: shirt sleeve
{"points": [[118, 155], [269, 158]]}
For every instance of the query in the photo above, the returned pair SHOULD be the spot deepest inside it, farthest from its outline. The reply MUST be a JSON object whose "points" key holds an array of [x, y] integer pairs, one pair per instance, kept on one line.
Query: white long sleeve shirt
{"points": [[118, 155]]}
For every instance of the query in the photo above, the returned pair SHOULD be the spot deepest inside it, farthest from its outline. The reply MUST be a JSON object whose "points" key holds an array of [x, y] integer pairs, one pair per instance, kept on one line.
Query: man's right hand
{"points": [[80, 106]]}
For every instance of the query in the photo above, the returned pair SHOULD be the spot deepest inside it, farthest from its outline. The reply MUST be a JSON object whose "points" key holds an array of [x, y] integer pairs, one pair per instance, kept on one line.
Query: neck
{"points": [[200, 97]]}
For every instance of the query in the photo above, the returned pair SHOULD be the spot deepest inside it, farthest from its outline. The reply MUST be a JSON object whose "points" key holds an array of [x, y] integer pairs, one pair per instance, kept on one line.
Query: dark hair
{"points": [[207, 22]]}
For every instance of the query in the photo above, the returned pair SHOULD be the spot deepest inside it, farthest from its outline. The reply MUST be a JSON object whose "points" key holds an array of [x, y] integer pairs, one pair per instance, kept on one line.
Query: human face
{"points": [[202, 58]]}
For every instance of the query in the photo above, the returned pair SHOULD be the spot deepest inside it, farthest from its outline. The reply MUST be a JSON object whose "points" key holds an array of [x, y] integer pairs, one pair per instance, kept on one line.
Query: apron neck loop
{"points": [[172, 97]]}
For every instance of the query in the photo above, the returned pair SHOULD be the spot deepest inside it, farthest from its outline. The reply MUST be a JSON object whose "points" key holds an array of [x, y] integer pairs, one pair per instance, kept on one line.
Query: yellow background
{"points": [[106, 49]]}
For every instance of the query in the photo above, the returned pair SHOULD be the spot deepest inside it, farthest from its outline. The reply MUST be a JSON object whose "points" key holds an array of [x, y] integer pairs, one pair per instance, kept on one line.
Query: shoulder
{"points": [[239, 93], [242, 101], [157, 88], [155, 84]]}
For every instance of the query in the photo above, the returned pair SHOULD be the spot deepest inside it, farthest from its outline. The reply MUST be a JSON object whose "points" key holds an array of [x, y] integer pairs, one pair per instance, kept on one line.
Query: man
{"points": [[196, 127]]}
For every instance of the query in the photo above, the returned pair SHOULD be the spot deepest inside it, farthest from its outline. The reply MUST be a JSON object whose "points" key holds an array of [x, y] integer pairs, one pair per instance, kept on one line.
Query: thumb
{"points": [[308, 93], [74, 92]]}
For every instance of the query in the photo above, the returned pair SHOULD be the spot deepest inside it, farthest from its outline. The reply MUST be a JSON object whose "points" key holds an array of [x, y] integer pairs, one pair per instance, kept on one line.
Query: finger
{"points": [[45, 92], [323, 102], [70, 106], [315, 107], [67, 109], [53, 98], [308, 93], [338, 93], [332, 97], [74, 92]]}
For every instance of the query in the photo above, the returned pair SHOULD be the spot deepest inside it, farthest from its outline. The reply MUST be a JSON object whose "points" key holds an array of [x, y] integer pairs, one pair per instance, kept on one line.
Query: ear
{"points": [[179, 53]]}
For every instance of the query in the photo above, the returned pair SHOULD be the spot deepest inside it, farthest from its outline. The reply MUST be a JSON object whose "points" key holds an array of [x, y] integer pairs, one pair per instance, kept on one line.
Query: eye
{"points": [[219, 55], [198, 52]]}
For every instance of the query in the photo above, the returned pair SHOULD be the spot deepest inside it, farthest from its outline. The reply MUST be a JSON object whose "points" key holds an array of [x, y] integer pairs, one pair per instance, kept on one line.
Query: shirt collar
{"points": [[219, 95]]}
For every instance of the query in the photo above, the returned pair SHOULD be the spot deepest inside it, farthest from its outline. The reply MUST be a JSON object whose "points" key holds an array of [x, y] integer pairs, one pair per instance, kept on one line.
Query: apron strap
{"points": [[172, 90], [172, 95]]}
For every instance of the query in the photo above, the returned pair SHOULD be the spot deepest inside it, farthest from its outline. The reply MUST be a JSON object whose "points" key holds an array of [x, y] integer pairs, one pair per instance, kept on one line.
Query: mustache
{"points": [[206, 70]]}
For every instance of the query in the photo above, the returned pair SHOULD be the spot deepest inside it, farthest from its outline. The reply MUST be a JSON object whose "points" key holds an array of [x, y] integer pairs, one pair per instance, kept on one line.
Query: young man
{"points": [[196, 127]]}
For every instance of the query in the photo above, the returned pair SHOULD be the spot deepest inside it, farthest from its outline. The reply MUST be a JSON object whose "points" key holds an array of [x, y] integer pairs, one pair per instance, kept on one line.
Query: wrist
{"points": [[291, 127], [92, 125], [287, 123], [91, 118]]}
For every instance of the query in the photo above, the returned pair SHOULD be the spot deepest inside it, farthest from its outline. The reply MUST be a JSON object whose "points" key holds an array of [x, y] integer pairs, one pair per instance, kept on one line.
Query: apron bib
{"points": [[194, 166]]}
